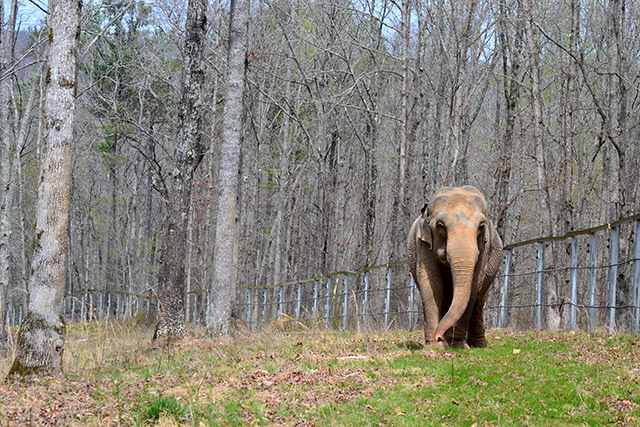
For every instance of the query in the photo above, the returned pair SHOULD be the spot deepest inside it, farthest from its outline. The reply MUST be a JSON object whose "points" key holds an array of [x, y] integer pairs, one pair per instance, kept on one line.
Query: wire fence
{"points": [[587, 279]]}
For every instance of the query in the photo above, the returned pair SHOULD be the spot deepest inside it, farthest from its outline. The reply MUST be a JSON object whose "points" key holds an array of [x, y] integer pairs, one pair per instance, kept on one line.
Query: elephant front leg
{"points": [[431, 294], [459, 335]]}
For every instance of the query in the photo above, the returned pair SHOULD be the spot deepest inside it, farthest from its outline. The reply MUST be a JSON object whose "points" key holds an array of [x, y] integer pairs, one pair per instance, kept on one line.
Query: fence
{"points": [[598, 287]]}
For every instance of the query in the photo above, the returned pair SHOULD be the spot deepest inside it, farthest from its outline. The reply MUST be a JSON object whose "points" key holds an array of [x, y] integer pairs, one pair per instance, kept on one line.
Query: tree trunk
{"points": [[568, 205], [225, 254], [40, 341], [149, 243], [189, 153], [8, 151], [554, 313], [399, 215], [511, 88]]}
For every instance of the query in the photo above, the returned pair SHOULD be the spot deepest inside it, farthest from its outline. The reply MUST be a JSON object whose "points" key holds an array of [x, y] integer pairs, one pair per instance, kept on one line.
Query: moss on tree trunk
{"points": [[40, 348]]}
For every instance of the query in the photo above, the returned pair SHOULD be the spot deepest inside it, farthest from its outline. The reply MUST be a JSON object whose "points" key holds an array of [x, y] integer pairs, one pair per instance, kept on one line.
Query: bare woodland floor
{"points": [[301, 377]]}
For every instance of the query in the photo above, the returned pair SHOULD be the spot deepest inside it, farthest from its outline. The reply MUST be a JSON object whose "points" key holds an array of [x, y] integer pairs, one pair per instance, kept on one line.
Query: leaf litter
{"points": [[286, 374]]}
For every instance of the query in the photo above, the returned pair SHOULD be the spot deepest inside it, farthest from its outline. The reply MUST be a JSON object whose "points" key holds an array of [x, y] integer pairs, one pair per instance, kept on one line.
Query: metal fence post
{"points": [[328, 305], [613, 277], [249, 302], [412, 286], [314, 310], [117, 316], [195, 308], [264, 304], [387, 301], [574, 280], [540, 285], [206, 319], [346, 302], [593, 260], [82, 307], [148, 309], [73, 308], [636, 280], [299, 302], [365, 300], [505, 290], [281, 302], [108, 305]]}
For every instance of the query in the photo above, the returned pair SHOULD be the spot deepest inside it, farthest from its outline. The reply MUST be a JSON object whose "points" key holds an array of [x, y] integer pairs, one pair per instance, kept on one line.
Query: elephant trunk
{"points": [[462, 264]]}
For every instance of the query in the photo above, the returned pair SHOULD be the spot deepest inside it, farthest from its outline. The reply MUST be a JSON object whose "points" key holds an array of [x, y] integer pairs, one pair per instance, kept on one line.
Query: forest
{"points": [[351, 114]]}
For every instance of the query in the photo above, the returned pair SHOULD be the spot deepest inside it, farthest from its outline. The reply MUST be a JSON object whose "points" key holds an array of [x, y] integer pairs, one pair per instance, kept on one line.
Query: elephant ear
{"points": [[424, 231], [494, 249]]}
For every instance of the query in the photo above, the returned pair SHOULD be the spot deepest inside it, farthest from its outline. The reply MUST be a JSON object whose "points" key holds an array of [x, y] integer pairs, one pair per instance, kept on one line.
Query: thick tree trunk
{"points": [[189, 153], [225, 254], [8, 151], [40, 342]]}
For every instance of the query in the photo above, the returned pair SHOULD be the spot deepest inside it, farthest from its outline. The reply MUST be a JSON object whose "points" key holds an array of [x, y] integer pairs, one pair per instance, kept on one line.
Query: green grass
{"points": [[165, 406], [115, 376]]}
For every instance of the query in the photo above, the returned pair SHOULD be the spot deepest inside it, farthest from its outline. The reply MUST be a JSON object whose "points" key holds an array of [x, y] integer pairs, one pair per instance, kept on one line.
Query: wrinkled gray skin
{"points": [[454, 255]]}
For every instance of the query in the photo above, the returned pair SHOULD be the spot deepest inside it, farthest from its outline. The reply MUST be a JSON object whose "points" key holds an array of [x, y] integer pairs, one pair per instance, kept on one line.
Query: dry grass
{"points": [[114, 376]]}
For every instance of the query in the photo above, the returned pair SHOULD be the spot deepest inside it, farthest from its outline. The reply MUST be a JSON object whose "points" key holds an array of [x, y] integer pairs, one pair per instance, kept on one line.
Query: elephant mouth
{"points": [[442, 257]]}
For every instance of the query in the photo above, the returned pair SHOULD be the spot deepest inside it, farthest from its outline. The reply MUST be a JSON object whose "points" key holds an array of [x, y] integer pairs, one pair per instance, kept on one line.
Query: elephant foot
{"points": [[458, 344], [444, 345], [433, 345], [477, 343]]}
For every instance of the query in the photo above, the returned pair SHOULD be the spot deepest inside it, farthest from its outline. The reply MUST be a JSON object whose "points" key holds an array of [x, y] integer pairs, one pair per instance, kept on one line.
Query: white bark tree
{"points": [[225, 253], [41, 338], [7, 151]]}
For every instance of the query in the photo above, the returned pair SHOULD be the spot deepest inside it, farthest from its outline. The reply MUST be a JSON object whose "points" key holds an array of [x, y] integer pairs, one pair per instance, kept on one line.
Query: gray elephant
{"points": [[454, 255]]}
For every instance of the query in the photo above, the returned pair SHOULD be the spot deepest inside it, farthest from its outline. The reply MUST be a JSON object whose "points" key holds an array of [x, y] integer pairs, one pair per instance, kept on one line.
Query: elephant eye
{"points": [[481, 228], [441, 229]]}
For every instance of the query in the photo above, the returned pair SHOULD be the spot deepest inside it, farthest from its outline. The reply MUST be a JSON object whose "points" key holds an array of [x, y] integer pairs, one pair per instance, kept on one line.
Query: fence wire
{"points": [[576, 281]]}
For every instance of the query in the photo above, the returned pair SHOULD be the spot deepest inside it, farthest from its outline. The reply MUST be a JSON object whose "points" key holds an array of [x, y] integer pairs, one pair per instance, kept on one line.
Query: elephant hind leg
{"points": [[476, 336]]}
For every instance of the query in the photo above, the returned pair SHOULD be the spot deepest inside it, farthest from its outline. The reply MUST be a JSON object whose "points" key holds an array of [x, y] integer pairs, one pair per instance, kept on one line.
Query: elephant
{"points": [[454, 254]]}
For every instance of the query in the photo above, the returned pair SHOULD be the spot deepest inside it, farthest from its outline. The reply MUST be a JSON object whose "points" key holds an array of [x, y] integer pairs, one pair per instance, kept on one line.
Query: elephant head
{"points": [[455, 228]]}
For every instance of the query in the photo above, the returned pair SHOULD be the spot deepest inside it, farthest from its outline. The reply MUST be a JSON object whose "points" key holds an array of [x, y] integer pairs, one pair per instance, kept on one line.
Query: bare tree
{"points": [[188, 154], [533, 50], [41, 338], [569, 131], [8, 150], [225, 259], [511, 53]]}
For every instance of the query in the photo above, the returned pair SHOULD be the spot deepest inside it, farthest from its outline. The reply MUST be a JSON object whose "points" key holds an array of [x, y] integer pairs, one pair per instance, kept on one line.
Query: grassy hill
{"points": [[304, 377]]}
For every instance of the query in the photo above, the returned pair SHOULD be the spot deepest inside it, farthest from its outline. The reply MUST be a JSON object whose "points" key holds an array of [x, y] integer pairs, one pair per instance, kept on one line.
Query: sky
{"points": [[28, 14]]}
